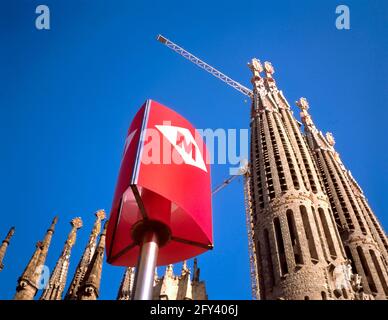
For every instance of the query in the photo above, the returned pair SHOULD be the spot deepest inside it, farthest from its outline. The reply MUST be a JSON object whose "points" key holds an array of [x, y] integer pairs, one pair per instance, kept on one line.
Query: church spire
{"points": [[185, 290], [196, 271], [4, 246], [90, 285], [86, 257], [126, 286], [27, 283], [57, 281], [364, 241]]}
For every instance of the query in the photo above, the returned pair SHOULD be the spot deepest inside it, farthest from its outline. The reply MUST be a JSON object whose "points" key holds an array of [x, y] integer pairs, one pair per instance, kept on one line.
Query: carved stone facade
{"points": [[57, 281], [170, 286], [72, 292], [302, 250], [362, 235], [89, 288], [28, 281]]}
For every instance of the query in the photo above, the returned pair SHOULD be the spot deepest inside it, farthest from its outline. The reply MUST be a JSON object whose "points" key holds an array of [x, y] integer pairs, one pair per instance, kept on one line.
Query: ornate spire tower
{"points": [[28, 281], [299, 251], [86, 257], [180, 287], [364, 239], [57, 281], [90, 285], [170, 286], [4, 246], [126, 286]]}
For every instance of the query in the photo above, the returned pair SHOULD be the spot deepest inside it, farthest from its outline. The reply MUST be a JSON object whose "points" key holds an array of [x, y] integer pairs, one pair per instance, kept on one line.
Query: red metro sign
{"points": [[163, 184]]}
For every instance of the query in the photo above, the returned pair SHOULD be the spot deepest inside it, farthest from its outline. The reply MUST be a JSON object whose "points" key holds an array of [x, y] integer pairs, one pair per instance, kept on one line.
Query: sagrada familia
{"points": [[314, 234], [85, 284]]}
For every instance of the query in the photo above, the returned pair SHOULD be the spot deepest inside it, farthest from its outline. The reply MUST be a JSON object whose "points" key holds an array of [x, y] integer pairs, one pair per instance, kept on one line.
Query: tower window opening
{"points": [[268, 259], [326, 230], [309, 235], [319, 233], [294, 237], [379, 271], [280, 247], [260, 271], [366, 269]]}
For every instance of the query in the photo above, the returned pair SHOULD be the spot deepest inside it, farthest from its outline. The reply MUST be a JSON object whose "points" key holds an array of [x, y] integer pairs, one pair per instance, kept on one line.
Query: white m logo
{"points": [[185, 144]]}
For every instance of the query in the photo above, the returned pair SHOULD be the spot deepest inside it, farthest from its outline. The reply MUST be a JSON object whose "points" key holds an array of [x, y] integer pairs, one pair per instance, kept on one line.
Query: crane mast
{"points": [[250, 230]]}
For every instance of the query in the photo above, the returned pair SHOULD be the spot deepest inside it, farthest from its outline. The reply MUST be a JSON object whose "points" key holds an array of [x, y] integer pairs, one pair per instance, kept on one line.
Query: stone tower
{"points": [[4, 246], [362, 235], [180, 287], [57, 281], [28, 281], [126, 286], [86, 257], [89, 288], [170, 286], [299, 251]]}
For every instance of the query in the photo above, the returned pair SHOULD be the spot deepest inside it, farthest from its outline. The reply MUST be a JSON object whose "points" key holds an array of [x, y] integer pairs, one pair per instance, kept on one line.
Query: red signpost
{"points": [[161, 211]]}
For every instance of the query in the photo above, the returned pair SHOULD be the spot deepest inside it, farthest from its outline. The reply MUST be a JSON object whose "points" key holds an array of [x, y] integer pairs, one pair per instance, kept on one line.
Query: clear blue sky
{"points": [[67, 96]]}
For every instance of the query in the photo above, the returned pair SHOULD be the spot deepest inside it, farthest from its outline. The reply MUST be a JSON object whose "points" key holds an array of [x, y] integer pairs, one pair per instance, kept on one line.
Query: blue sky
{"points": [[67, 97]]}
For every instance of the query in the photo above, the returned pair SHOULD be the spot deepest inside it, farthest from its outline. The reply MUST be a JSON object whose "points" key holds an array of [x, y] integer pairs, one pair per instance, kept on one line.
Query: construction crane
{"points": [[244, 169], [202, 64], [245, 172]]}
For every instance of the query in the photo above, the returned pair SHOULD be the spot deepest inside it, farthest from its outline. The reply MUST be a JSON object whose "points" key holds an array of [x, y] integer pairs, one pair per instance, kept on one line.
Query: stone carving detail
{"points": [[330, 138]]}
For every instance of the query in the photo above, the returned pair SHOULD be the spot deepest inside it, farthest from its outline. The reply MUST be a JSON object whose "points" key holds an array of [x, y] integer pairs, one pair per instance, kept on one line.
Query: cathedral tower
{"points": [[126, 286], [28, 281], [170, 286], [86, 258], [364, 240], [4, 246], [300, 255], [57, 282], [89, 288], [181, 286]]}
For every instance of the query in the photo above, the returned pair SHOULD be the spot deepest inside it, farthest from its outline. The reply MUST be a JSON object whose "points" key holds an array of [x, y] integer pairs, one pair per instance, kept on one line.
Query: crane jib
{"points": [[202, 64]]}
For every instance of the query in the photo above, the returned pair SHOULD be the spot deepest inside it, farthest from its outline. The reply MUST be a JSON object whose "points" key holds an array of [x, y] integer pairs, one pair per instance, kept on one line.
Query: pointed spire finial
{"points": [[256, 67], [196, 270], [269, 69], [100, 214], [169, 270], [330, 139], [4, 245], [303, 104], [269, 80], [76, 222], [9, 234], [53, 223], [185, 269]]}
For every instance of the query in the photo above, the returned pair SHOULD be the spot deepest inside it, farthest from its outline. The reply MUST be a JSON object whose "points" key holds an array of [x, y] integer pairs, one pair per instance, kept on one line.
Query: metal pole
{"points": [[146, 267]]}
